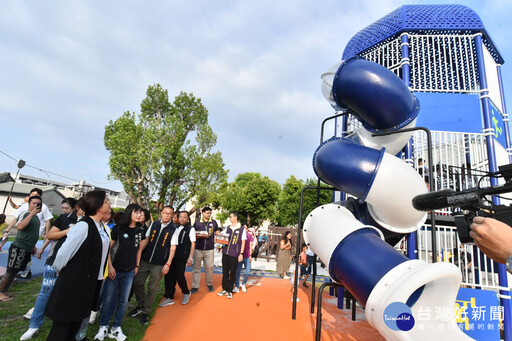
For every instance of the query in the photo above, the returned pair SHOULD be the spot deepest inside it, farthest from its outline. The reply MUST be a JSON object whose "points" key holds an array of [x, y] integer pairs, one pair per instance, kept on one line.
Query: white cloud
{"points": [[69, 68]]}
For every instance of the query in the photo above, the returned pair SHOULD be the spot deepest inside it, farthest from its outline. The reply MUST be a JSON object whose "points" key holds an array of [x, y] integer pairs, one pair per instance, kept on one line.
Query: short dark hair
{"points": [[147, 214], [38, 190], [70, 201], [79, 203], [118, 217], [186, 212], [206, 209], [168, 206], [34, 197], [236, 214], [92, 201]]}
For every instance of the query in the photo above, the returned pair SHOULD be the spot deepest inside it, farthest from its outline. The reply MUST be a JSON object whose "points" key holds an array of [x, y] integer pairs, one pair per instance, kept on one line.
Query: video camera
{"points": [[471, 201]]}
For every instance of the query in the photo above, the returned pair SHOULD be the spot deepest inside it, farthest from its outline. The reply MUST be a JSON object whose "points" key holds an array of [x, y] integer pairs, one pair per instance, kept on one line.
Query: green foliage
{"points": [[251, 194], [129, 160], [166, 151], [289, 200], [13, 325]]}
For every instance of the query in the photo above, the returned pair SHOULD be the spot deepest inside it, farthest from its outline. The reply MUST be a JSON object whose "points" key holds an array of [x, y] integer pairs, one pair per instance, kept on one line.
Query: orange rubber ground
{"points": [[262, 313]]}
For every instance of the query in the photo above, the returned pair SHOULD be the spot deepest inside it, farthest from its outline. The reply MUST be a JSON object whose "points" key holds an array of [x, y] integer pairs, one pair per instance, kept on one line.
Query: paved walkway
{"points": [[263, 265], [262, 313]]}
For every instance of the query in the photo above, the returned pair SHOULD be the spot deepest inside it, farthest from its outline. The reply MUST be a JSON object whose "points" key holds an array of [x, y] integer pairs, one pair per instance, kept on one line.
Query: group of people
{"points": [[93, 263], [105, 260]]}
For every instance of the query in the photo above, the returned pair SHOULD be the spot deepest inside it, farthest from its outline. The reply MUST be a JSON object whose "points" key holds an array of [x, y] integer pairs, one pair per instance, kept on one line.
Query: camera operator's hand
{"points": [[493, 237]]}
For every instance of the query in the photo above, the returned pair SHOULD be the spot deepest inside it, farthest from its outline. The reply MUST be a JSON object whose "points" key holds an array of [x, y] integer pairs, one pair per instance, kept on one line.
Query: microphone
{"points": [[446, 198]]}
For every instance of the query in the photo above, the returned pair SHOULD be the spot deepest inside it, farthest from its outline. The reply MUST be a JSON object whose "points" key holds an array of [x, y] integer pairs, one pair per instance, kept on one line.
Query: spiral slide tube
{"points": [[382, 102], [379, 276], [386, 183]]}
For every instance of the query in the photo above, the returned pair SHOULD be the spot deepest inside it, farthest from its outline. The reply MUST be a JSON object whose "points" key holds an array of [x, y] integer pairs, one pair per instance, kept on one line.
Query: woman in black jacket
{"points": [[80, 263]]}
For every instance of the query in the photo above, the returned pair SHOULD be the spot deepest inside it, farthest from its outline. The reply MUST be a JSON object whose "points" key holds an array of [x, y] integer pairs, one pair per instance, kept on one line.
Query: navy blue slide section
{"points": [[381, 100], [361, 260], [347, 166]]}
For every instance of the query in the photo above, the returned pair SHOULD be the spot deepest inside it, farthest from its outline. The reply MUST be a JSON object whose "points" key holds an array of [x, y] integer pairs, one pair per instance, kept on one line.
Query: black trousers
{"points": [[229, 264], [64, 331], [176, 274]]}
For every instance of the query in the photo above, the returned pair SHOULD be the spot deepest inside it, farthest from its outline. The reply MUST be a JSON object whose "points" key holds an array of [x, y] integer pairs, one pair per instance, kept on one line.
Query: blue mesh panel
{"points": [[441, 17], [424, 19]]}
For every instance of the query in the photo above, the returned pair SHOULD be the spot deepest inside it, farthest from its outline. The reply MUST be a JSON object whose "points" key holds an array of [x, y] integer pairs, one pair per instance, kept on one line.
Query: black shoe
{"points": [[136, 311], [210, 288], [194, 290], [144, 318]]}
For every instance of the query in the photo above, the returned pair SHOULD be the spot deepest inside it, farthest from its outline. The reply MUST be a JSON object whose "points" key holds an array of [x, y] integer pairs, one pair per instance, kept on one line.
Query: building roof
{"points": [[6, 177], [39, 181], [424, 19], [23, 189]]}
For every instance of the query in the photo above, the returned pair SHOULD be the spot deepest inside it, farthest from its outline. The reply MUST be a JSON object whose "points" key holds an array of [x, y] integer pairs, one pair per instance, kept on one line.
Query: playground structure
{"points": [[444, 56]]}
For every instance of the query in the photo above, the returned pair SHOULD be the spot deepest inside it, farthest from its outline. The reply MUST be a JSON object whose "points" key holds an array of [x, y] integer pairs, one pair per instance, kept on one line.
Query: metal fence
{"points": [[459, 162], [269, 249], [443, 61], [438, 62]]}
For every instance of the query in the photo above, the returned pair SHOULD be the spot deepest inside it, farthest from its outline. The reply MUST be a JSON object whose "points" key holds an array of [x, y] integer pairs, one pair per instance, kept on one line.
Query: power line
{"points": [[62, 176], [8, 156], [42, 170]]}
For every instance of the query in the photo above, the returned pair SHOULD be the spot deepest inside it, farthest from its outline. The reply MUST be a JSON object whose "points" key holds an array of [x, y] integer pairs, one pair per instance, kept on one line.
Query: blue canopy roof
{"points": [[424, 19]]}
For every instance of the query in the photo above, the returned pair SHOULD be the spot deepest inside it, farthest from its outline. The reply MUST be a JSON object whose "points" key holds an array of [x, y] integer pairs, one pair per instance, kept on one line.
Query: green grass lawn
{"points": [[13, 325]]}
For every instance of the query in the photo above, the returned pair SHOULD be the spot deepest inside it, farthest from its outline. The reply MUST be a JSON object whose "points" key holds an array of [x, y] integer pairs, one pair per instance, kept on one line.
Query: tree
{"points": [[252, 195], [166, 151], [289, 200], [129, 159]]}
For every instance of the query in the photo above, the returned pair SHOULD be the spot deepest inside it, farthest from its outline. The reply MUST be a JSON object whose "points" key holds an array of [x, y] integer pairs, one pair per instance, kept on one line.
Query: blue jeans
{"points": [[247, 264], [115, 294], [49, 278]]}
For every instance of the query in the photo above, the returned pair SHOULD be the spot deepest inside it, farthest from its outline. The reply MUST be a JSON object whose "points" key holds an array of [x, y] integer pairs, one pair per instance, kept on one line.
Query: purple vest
{"points": [[210, 227], [234, 246]]}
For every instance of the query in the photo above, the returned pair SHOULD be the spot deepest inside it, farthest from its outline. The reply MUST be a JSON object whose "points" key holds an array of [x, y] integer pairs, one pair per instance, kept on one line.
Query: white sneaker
{"points": [[102, 333], [28, 315], [29, 334], [235, 290], [286, 277], [92, 317], [244, 289], [116, 333]]}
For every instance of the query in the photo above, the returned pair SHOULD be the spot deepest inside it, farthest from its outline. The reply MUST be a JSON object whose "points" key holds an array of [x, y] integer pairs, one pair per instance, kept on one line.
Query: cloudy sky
{"points": [[68, 67]]}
